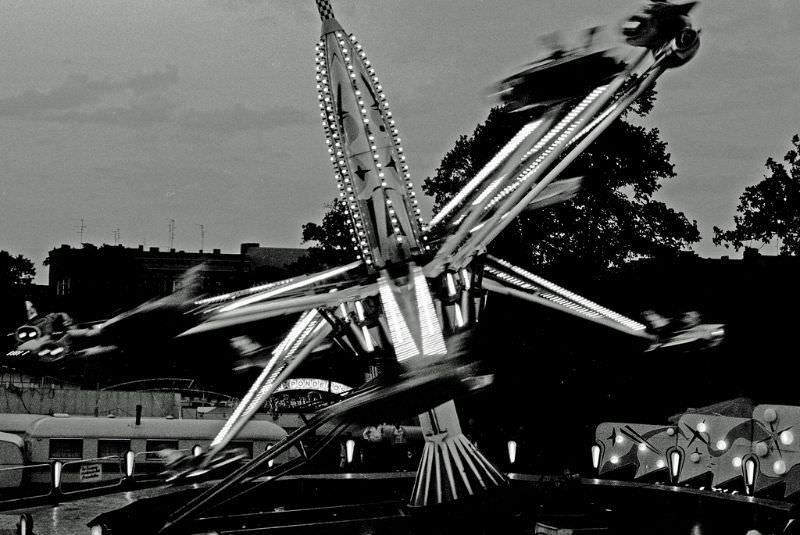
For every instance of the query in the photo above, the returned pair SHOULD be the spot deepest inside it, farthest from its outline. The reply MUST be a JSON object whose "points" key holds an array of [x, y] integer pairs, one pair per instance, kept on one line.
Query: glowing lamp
{"points": [[25, 526], [749, 467], [736, 462], [512, 451], [660, 464], [722, 445], [271, 461], [595, 456], [197, 450], [642, 446], [620, 439], [694, 457], [350, 448], [129, 459], [787, 437], [779, 467], [675, 463], [770, 415], [761, 449], [702, 427], [671, 431], [614, 459], [57, 467]]}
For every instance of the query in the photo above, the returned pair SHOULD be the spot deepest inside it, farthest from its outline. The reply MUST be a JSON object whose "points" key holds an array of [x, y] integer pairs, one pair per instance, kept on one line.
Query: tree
{"points": [[613, 219], [15, 272], [333, 245], [16, 277], [769, 209]]}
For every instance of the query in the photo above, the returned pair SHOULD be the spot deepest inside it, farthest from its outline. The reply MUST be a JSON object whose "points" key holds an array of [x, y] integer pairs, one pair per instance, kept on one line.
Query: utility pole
{"points": [[171, 233], [202, 236]]}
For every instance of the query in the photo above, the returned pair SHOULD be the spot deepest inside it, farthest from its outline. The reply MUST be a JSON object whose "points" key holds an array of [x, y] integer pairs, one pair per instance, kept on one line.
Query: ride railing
{"points": [[68, 479]]}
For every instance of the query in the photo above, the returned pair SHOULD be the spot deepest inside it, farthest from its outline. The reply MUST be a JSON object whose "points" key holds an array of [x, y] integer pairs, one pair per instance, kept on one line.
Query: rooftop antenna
{"points": [[202, 236], [116, 235], [171, 233], [81, 229]]}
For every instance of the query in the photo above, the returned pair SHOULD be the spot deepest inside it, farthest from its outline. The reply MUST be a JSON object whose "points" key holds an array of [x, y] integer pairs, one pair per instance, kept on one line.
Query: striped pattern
{"points": [[452, 468]]}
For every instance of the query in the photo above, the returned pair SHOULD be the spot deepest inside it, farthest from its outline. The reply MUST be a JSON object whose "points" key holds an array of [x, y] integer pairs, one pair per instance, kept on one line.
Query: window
{"points": [[63, 286], [247, 446], [66, 448], [154, 446], [110, 448]]}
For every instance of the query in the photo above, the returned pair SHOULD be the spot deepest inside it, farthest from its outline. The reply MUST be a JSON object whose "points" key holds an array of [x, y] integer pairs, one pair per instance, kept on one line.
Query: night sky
{"points": [[131, 113]]}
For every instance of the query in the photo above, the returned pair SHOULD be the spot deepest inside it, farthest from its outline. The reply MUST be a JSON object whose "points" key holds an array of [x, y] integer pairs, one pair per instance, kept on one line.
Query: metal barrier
{"points": [[60, 480], [25, 481], [80, 475]]}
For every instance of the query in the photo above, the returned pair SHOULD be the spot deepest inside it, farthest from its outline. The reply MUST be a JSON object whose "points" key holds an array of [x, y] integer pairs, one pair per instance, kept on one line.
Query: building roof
{"points": [[163, 428]]}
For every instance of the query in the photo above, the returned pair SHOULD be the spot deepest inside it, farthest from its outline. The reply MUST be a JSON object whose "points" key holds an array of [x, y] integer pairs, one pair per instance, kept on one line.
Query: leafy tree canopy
{"points": [[15, 271], [331, 239], [770, 209]]}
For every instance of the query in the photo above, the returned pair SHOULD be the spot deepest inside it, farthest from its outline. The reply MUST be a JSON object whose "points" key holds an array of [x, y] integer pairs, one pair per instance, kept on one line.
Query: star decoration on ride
{"points": [[695, 434], [402, 300]]}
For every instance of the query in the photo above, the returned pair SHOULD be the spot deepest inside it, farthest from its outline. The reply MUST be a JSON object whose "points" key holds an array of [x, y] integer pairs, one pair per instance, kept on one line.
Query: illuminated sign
{"points": [[17, 353], [322, 385]]}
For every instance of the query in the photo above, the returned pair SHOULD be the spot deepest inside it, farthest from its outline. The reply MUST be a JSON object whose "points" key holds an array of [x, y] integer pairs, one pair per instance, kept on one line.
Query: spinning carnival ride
{"points": [[401, 299]]}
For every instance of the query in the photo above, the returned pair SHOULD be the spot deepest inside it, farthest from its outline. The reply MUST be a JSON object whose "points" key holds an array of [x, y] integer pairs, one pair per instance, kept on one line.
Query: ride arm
{"points": [[309, 331], [504, 278], [504, 198]]}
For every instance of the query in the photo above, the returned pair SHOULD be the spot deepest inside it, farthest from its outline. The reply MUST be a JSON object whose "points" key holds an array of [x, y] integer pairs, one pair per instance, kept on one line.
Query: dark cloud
{"points": [[78, 89]]}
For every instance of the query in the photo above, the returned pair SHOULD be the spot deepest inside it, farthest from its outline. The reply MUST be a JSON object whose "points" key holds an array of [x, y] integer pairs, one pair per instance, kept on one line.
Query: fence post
{"points": [[56, 469], [130, 458]]}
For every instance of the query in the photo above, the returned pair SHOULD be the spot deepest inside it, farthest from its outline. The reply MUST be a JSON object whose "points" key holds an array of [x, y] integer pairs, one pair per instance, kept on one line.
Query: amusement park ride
{"points": [[407, 301]]}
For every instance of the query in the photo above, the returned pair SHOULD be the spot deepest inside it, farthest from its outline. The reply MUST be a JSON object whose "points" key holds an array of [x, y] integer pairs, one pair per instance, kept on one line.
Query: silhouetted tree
{"points": [[16, 277], [331, 239], [769, 209], [15, 271]]}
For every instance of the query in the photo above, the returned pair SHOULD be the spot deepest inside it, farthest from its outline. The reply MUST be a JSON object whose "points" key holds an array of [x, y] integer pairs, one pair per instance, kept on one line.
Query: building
{"points": [[92, 282]]}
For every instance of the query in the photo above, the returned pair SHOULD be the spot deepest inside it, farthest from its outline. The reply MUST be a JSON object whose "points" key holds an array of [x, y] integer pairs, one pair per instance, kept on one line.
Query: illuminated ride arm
{"points": [[504, 278]]}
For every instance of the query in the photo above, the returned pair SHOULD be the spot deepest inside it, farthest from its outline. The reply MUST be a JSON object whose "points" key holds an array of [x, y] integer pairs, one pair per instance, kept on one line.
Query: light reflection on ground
{"points": [[70, 518]]}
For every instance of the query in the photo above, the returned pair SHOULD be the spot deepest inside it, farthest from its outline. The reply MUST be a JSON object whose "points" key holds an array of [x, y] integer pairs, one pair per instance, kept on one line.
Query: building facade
{"points": [[92, 282]]}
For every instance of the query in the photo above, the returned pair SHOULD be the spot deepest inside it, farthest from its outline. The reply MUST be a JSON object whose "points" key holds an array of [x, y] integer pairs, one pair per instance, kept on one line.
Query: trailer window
{"points": [[66, 448], [113, 448]]}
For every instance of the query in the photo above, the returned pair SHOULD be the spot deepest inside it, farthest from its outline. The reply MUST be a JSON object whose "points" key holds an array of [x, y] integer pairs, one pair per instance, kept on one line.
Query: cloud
{"points": [[151, 101], [239, 117], [143, 111], [78, 89], [161, 110]]}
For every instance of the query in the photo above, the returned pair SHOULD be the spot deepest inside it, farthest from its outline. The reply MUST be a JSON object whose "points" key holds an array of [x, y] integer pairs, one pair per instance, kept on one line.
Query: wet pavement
{"points": [[70, 518]]}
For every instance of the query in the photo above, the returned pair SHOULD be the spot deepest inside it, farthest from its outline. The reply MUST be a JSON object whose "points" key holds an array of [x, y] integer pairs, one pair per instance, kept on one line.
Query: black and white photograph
{"points": [[389, 267]]}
